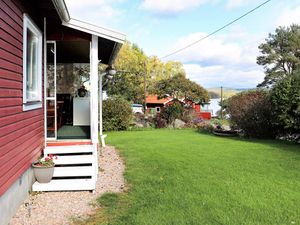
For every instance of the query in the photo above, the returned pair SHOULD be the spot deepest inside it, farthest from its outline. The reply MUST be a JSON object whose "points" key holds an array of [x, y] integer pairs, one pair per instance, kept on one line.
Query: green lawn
{"points": [[183, 177]]}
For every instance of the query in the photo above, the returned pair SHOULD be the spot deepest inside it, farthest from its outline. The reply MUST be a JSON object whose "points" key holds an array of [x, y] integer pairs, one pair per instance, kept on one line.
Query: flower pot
{"points": [[43, 174]]}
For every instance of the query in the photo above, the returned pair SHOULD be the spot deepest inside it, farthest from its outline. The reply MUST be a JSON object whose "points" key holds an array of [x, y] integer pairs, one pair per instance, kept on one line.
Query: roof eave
{"points": [[117, 37], [62, 10], [96, 30]]}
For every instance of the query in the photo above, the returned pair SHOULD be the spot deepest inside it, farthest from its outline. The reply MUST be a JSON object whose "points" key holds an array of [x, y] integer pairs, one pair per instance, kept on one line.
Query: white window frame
{"points": [[157, 109], [33, 103]]}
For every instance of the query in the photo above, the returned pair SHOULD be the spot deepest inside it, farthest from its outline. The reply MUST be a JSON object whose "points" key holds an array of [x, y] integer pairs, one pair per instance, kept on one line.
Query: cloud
{"points": [[99, 12], [170, 7], [223, 75], [228, 60], [237, 49], [236, 3], [288, 17], [231, 4]]}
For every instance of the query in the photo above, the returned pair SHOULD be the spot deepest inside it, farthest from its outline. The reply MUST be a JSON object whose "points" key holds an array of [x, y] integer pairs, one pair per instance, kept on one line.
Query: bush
{"points": [[251, 111], [205, 127], [172, 112], [285, 99], [189, 115], [159, 121], [117, 114]]}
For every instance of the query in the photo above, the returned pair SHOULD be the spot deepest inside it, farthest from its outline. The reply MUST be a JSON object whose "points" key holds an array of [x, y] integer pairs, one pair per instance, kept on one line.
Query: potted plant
{"points": [[44, 168], [82, 91]]}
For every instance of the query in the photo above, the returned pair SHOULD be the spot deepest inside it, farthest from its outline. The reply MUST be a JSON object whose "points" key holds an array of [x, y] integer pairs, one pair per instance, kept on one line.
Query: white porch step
{"points": [[79, 171], [74, 159], [68, 149], [71, 168], [65, 185]]}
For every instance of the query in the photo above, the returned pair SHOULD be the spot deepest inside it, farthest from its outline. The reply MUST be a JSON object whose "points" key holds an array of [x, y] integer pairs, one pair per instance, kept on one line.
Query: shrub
{"points": [[172, 112], [285, 99], [117, 114], [205, 127], [251, 111], [189, 115], [159, 121]]}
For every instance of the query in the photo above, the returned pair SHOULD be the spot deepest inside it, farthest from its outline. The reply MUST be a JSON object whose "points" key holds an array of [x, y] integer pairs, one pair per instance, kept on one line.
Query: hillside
{"points": [[227, 92]]}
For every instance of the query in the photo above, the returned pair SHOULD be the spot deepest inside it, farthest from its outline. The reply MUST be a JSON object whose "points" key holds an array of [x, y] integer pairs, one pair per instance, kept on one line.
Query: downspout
{"points": [[62, 10]]}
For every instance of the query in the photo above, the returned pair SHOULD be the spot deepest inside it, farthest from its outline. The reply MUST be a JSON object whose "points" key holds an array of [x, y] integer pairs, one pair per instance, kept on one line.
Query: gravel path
{"points": [[58, 207]]}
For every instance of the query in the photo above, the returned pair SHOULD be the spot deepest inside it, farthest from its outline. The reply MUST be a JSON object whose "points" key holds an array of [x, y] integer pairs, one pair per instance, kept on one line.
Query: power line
{"points": [[216, 31]]}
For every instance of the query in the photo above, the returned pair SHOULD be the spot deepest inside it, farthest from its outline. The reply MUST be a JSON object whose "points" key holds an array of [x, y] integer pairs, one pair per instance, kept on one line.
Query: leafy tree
{"points": [[285, 98], [128, 82], [251, 111], [179, 86], [134, 68], [280, 54]]}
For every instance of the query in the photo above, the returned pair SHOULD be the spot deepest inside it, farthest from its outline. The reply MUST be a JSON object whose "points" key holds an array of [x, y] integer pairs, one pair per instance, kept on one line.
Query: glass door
{"points": [[50, 95]]}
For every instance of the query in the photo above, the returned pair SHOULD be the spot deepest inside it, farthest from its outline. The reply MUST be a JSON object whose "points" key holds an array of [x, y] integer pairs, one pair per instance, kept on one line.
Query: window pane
{"points": [[50, 70], [50, 118], [32, 66]]}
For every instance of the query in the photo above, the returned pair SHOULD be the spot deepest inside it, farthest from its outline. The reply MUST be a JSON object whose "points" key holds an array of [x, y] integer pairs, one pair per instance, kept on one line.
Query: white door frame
{"points": [[46, 98]]}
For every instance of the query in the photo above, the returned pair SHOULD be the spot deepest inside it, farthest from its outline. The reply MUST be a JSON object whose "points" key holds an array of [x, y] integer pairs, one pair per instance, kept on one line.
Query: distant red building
{"points": [[155, 105], [201, 109]]}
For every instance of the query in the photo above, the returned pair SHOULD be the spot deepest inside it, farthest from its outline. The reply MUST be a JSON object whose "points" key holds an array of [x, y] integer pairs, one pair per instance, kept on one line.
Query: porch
{"points": [[72, 52]]}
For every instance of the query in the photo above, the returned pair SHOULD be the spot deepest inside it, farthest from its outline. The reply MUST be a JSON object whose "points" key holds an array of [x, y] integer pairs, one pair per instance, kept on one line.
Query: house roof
{"points": [[153, 99], [96, 30], [115, 37]]}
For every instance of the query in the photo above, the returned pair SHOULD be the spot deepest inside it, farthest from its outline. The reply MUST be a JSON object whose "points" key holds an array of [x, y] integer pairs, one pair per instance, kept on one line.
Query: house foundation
{"points": [[11, 200]]}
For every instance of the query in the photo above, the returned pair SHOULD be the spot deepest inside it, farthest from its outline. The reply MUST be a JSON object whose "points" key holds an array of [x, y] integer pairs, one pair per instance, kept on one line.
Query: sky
{"points": [[160, 27]]}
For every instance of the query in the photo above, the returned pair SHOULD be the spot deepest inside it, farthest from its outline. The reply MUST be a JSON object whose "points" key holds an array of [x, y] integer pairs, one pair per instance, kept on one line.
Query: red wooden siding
{"points": [[21, 133]]}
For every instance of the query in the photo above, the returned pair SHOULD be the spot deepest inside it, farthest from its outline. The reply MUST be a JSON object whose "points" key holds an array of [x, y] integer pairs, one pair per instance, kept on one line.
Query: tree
{"points": [[134, 67], [128, 82], [251, 111], [179, 86], [280, 54], [285, 99]]}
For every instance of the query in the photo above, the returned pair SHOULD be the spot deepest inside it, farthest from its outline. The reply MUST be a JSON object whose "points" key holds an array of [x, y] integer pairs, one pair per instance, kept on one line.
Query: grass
{"points": [[183, 177]]}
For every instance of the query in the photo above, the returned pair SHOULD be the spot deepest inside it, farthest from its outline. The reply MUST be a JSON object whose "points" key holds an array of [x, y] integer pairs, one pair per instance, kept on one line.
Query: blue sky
{"points": [[161, 26]]}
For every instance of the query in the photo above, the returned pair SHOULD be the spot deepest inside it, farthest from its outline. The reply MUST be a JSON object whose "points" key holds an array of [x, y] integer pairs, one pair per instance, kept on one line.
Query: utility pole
{"points": [[221, 102], [145, 88]]}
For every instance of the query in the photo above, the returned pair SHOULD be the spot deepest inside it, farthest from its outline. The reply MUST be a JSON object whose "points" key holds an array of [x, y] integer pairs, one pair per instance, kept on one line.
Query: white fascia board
{"points": [[62, 10], [96, 30]]}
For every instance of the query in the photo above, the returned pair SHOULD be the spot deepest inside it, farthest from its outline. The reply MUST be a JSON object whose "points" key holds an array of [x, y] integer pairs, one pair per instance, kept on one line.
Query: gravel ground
{"points": [[58, 207]]}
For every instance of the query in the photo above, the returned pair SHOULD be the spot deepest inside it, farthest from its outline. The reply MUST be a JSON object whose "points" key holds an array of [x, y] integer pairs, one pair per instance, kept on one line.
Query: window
{"points": [[157, 109], [32, 65]]}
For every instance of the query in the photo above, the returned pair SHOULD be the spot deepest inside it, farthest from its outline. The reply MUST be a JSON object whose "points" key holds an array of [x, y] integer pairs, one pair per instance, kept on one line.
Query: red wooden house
{"points": [[201, 109], [41, 49], [155, 105]]}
